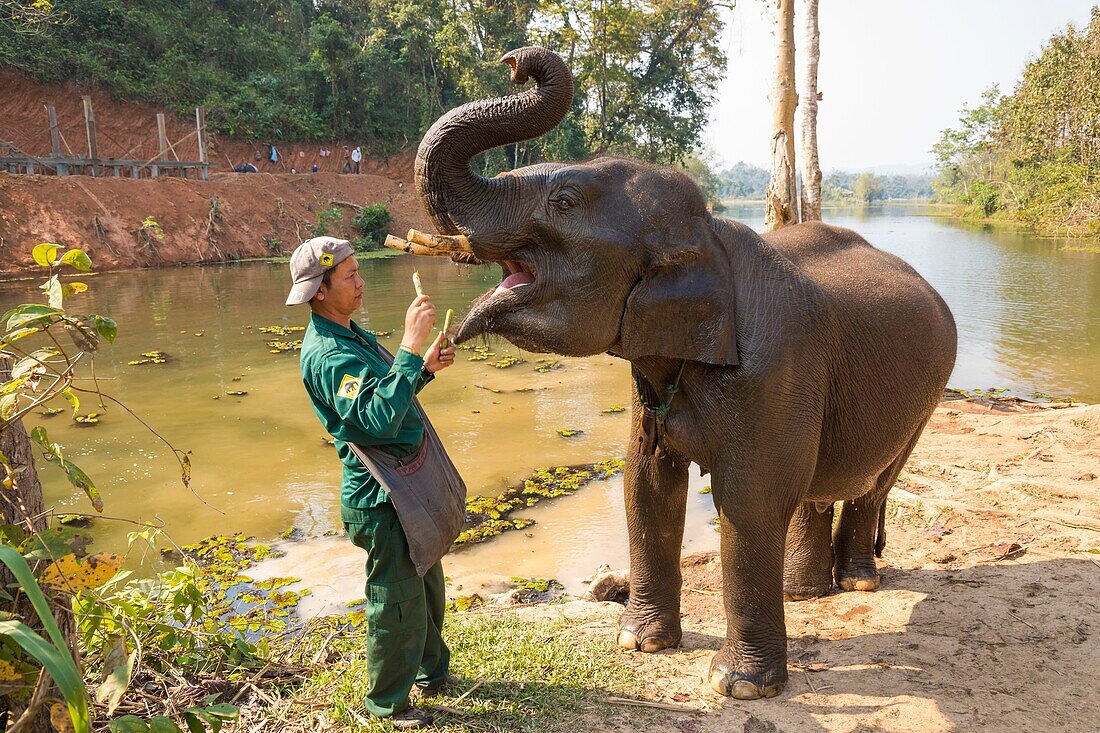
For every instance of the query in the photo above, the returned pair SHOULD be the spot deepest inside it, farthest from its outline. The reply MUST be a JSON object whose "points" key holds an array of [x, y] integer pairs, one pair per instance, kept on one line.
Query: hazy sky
{"points": [[893, 73]]}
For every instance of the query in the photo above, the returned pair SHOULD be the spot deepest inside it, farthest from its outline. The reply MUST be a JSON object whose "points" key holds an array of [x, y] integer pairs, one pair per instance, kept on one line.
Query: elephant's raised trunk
{"points": [[457, 199]]}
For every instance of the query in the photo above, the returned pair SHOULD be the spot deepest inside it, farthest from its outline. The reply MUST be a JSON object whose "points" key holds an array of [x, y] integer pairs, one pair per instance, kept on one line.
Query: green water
{"points": [[1028, 315]]}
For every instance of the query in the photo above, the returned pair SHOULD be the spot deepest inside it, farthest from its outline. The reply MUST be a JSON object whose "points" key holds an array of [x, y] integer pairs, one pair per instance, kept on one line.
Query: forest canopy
{"points": [[1034, 155], [380, 72]]}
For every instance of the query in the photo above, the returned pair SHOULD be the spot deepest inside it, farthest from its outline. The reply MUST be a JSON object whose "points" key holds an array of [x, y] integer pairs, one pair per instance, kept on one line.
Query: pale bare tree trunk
{"points": [[811, 166], [24, 507], [781, 198]]}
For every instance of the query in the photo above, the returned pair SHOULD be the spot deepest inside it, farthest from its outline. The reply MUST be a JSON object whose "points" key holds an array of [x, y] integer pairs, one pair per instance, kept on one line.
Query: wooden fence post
{"points": [[200, 122], [89, 123], [55, 141], [162, 140]]}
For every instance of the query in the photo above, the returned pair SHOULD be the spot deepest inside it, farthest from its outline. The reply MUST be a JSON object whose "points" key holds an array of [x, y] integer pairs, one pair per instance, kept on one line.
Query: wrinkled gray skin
{"points": [[813, 361]]}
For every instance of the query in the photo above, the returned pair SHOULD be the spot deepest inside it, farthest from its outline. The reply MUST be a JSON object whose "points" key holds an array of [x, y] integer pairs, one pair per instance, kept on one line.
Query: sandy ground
{"points": [[988, 618]]}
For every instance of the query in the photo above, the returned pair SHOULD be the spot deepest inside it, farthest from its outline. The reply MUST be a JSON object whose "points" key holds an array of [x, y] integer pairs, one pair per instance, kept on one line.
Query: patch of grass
{"points": [[536, 676]]}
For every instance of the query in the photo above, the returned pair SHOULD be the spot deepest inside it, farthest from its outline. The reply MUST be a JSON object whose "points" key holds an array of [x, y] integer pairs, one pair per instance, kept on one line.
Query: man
{"points": [[360, 399], [356, 158]]}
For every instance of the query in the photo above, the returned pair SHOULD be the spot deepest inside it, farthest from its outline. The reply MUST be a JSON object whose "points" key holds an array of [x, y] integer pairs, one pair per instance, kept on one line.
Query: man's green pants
{"points": [[404, 612]]}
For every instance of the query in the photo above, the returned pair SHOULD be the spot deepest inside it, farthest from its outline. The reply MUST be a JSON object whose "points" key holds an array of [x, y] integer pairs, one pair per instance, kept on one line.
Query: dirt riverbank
{"points": [[987, 619], [232, 216]]}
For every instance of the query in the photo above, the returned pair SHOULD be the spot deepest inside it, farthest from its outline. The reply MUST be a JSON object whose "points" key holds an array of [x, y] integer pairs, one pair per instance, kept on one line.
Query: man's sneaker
{"points": [[410, 719]]}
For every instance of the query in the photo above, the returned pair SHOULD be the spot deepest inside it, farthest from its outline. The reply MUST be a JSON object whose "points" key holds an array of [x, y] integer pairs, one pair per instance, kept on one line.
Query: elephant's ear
{"points": [[683, 306]]}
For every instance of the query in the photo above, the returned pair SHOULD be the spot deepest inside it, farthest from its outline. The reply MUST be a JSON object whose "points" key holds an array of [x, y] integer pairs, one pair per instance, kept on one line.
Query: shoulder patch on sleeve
{"points": [[349, 386]]}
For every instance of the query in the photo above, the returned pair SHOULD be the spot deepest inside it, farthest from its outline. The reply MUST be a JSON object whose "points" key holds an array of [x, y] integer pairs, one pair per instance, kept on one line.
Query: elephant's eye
{"points": [[562, 203]]}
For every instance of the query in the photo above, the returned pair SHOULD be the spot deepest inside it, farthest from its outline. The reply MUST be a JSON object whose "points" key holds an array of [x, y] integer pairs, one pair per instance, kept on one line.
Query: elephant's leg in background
{"points": [[754, 518], [656, 502], [857, 539], [808, 562]]}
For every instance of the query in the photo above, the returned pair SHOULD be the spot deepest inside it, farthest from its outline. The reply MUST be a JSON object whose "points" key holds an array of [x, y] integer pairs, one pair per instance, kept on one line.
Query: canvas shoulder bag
{"points": [[425, 488]]}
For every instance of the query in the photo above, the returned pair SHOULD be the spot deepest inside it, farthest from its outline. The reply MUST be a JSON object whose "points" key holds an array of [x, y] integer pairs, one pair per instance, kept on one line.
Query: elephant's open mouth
{"points": [[516, 275], [513, 293]]}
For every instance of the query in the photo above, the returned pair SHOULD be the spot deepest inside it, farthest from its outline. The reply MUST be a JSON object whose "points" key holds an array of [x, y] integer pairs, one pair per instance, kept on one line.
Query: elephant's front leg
{"points": [[754, 518], [656, 501]]}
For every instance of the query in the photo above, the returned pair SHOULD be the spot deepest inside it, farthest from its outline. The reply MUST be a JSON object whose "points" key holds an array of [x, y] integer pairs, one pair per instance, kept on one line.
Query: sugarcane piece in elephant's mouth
{"points": [[516, 275]]}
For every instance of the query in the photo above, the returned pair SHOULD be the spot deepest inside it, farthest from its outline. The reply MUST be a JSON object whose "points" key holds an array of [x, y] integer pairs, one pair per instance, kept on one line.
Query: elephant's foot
{"points": [[806, 592], [852, 577], [649, 632], [729, 678]]}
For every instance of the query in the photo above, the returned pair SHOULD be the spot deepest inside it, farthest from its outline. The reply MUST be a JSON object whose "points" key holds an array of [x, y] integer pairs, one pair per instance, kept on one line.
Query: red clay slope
{"points": [[228, 217]]}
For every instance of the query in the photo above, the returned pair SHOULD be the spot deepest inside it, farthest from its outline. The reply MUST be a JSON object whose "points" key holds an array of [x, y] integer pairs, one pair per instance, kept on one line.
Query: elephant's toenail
{"points": [[744, 690], [719, 682], [653, 644], [859, 584], [627, 640]]}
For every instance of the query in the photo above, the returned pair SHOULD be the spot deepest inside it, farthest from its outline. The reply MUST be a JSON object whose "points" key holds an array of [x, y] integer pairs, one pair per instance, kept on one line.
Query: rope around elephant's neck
{"points": [[671, 388]]}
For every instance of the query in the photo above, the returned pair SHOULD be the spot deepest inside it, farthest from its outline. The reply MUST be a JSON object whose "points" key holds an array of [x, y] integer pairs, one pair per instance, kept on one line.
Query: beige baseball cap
{"points": [[309, 263]]}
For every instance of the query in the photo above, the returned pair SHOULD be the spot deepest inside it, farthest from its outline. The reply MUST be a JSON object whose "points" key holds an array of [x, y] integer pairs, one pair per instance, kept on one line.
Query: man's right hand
{"points": [[419, 321]]}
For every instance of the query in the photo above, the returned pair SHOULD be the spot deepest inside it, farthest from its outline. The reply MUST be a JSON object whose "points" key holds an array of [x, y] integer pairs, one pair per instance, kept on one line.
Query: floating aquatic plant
{"points": [[506, 361], [150, 357], [465, 603], [280, 347], [536, 590], [569, 432], [614, 409], [488, 516], [85, 421], [548, 365], [480, 352], [281, 330]]}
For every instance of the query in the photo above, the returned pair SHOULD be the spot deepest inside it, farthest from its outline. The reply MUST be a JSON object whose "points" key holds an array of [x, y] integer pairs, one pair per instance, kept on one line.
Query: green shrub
{"points": [[326, 218], [373, 222], [982, 198]]}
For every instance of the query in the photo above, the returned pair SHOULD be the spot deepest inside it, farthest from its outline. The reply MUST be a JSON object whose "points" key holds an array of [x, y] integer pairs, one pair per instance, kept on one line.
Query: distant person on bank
{"points": [[356, 159], [360, 399]]}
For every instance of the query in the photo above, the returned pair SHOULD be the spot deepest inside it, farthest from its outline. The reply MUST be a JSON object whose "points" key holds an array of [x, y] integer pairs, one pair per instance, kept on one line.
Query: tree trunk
{"points": [[23, 506], [781, 198], [811, 166]]}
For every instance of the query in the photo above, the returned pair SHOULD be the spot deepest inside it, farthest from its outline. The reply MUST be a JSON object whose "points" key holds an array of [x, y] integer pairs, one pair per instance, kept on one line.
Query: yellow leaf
{"points": [[45, 254], [8, 673], [72, 575], [60, 719]]}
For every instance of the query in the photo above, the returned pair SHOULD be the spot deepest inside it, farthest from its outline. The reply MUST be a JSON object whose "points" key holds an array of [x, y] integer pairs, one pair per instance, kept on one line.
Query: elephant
{"points": [[798, 367]]}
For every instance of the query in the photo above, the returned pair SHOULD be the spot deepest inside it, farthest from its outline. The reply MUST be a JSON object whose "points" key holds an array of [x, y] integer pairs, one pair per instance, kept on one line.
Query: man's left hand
{"points": [[436, 358]]}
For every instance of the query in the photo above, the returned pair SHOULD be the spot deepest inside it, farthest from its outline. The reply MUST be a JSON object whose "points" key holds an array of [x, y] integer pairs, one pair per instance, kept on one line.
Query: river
{"points": [[1028, 314]]}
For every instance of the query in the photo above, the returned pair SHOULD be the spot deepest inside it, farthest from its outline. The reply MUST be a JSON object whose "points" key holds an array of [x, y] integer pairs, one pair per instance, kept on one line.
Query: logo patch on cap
{"points": [[349, 385], [326, 259]]}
